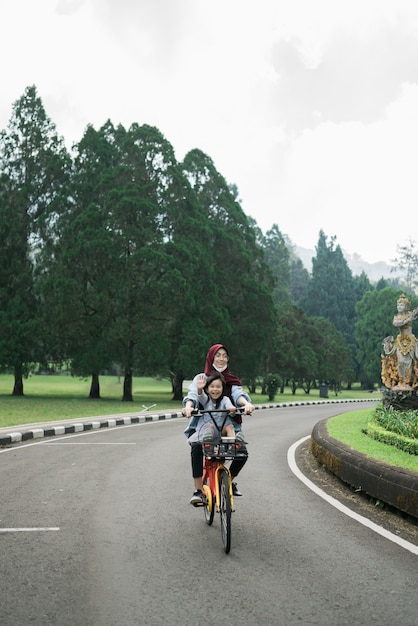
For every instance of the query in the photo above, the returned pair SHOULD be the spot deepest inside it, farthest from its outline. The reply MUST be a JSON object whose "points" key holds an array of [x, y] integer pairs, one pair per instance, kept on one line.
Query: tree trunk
{"points": [[18, 386], [94, 386], [127, 386], [177, 386]]}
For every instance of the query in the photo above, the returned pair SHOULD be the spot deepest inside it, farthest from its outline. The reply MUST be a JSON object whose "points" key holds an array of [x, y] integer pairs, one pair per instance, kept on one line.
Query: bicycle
{"points": [[217, 479]]}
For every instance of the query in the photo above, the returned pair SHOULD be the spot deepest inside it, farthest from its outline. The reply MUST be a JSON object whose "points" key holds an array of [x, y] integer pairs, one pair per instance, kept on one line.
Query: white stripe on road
{"points": [[341, 507], [90, 443], [85, 433], [29, 530]]}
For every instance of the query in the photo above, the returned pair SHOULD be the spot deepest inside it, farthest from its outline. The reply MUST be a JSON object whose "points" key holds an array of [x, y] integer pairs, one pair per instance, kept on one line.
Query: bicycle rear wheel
{"points": [[225, 510], [208, 504]]}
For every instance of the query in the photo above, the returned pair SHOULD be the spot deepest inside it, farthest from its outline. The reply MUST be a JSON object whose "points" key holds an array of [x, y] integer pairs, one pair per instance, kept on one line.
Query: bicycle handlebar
{"points": [[211, 411]]}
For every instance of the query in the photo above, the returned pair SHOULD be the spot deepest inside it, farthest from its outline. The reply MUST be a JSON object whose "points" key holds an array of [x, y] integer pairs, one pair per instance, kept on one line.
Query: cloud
{"points": [[355, 78], [68, 7], [152, 31], [308, 107], [356, 181]]}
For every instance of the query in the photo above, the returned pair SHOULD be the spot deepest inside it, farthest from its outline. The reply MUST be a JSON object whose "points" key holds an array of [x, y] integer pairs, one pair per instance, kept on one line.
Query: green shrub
{"points": [[401, 422], [273, 382], [395, 428]]}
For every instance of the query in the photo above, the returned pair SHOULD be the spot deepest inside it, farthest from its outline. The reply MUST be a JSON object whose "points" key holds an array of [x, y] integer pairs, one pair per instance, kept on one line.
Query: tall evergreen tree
{"points": [[362, 284], [299, 280], [382, 283], [333, 354], [286, 348], [245, 280], [79, 289], [136, 200], [277, 258], [296, 359], [331, 290], [196, 311], [34, 169]]}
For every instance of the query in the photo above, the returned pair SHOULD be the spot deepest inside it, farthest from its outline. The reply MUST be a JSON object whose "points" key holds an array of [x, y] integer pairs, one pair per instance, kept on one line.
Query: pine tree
{"points": [[331, 290], [34, 171]]}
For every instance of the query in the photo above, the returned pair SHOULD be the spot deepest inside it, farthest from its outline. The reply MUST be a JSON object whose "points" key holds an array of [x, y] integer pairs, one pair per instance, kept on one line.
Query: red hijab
{"points": [[230, 379]]}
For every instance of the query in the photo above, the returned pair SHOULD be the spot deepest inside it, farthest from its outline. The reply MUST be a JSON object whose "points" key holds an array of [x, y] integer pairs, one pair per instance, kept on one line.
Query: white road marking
{"points": [[90, 443], [29, 530], [84, 433], [341, 507]]}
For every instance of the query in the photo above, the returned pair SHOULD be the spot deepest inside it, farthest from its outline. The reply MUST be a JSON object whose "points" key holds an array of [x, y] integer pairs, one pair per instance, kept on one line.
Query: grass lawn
{"points": [[347, 428], [52, 398]]}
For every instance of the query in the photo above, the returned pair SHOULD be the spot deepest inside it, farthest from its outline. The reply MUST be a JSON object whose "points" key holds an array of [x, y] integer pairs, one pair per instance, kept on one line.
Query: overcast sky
{"points": [[309, 106]]}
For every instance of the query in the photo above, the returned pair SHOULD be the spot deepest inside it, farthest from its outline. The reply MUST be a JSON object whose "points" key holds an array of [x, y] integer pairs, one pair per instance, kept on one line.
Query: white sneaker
{"points": [[197, 498]]}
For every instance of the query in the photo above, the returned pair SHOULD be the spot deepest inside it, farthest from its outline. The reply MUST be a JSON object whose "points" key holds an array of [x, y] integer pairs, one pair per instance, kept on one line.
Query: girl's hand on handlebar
{"points": [[188, 410]]}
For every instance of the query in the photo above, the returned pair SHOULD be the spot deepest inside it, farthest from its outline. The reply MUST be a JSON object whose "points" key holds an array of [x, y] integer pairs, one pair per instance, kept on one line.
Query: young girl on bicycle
{"points": [[211, 396]]}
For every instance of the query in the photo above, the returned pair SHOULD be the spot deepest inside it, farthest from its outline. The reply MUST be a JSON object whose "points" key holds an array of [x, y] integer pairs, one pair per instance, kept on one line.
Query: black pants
{"points": [[197, 462]]}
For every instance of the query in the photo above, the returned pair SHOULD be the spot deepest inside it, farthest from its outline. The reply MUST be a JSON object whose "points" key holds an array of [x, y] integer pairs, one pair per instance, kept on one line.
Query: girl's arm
{"points": [[201, 395], [191, 401]]}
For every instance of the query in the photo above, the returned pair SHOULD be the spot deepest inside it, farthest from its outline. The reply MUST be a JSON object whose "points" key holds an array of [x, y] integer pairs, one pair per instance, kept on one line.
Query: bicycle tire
{"points": [[208, 504], [225, 510]]}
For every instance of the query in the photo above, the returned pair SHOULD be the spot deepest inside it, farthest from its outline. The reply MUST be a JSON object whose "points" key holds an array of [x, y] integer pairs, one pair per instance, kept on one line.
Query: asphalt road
{"points": [[96, 529]]}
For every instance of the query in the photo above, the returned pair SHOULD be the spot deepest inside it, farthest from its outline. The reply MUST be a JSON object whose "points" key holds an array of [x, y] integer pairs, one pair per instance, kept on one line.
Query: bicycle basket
{"points": [[224, 449]]}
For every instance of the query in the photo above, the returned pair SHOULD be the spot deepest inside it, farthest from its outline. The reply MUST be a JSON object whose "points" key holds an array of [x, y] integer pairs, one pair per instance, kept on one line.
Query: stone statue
{"points": [[400, 361]]}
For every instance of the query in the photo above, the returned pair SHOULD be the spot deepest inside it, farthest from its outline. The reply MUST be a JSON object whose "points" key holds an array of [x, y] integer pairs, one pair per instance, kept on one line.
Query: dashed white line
{"points": [[341, 507], [29, 530], [85, 433], [90, 443]]}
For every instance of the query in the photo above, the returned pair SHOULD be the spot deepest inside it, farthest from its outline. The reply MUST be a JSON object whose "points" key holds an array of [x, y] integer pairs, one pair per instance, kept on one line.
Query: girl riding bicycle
{"points": [[211, 396], [217, 360]]}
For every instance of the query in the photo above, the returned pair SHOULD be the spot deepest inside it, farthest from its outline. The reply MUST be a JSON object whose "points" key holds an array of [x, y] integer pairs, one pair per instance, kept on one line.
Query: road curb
{"points": [[95, 423], [392, 485]]}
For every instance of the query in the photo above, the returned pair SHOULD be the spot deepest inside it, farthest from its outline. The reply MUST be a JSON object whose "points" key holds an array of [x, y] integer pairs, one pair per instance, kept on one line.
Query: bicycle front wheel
{"points": [[225, 510], [208, 504]]}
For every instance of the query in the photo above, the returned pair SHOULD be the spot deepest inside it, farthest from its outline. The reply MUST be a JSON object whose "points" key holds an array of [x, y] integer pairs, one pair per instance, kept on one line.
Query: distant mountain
{"points": [[374, 271]]}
